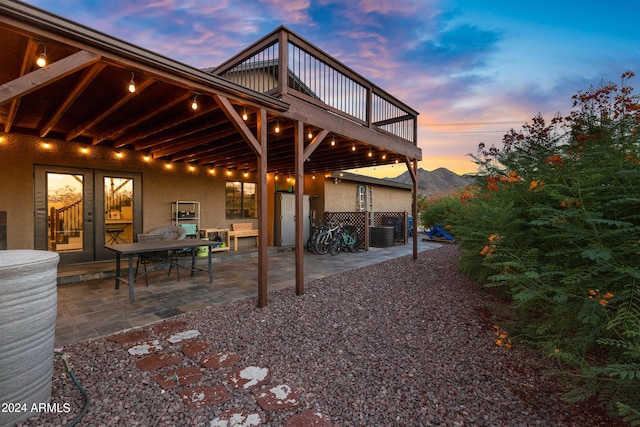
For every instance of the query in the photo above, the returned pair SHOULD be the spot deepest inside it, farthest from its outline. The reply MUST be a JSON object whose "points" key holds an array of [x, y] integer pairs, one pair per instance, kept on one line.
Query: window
{"points": [[241, 200]]}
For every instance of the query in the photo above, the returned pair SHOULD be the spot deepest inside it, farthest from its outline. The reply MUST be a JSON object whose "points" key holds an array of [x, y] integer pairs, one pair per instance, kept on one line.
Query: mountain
{"points": [[435, 182]]}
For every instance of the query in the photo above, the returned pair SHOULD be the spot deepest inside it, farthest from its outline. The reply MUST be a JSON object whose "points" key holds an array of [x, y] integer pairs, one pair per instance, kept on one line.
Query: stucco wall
{"points": [[161, 186], [342, 197]]}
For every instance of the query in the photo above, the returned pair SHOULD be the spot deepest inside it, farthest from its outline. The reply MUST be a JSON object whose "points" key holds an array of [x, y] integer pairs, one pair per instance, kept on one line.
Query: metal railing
{"points": [[324, 81]]}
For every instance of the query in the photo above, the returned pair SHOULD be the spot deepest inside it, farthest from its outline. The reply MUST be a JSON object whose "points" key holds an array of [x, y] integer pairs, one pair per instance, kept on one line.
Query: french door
{"points": [[78, 211]]}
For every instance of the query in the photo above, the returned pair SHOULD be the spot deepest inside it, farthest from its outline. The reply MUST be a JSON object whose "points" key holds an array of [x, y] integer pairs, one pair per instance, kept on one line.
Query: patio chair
{"points": [[172, 232]]}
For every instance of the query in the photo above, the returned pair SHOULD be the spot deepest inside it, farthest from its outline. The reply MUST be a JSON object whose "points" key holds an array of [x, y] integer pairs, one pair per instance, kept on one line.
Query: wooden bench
{"points": [[242, 229]]}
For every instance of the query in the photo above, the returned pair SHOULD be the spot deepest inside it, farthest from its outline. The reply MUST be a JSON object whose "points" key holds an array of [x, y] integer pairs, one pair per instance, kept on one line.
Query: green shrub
{"points": [[555, 223]]}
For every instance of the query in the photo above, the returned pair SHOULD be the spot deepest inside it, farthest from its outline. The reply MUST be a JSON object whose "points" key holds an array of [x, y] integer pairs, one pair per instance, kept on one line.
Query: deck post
{"points": [[299, 222], [261, 179]]}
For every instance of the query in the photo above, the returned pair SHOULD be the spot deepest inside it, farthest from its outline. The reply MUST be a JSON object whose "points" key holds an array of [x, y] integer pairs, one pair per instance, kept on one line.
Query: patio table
{"points": [[131, 249]]}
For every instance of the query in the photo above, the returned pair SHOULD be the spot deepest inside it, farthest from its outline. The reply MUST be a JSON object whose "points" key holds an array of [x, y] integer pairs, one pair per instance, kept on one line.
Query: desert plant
{"points": [[555, 223]]}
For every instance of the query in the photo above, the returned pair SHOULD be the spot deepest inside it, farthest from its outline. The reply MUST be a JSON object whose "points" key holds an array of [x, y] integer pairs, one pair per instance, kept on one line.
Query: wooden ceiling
{"points": [[81, 97]]}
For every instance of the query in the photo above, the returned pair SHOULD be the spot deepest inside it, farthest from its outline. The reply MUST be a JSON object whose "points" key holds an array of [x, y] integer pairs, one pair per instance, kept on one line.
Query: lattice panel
{"points": [[397, 220], [357, 219]]}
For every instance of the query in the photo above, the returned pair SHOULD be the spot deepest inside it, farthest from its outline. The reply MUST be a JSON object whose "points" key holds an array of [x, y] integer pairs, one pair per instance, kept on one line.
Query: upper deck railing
{"points": [[319, 79]]}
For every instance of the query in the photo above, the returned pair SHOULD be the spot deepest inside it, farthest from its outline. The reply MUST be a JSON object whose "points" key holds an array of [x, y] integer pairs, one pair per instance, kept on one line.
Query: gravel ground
{"points": [[400, 343]]}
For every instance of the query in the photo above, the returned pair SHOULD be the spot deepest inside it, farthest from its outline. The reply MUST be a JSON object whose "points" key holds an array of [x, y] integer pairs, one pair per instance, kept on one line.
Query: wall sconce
{"points": [[42, 59], [132, 84], [84, 150], [212, 171], [146, 158], [384, 157], [119, 154], [46, 145], [229, 173], [168, 166], [192, 168], [245, 174]]}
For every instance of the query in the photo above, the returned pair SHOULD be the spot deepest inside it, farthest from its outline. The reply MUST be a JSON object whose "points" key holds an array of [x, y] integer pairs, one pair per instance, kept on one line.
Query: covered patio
{"points": [[281, 106]]}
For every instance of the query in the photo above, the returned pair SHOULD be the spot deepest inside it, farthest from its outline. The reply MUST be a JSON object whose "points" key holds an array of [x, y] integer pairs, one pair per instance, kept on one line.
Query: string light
{"points": [[384, 157], [353, 147], [333, 141], [277, 129], [244, 115], [194, 103], [132, 84], [42, 59], [310, 135], [370, 153]]}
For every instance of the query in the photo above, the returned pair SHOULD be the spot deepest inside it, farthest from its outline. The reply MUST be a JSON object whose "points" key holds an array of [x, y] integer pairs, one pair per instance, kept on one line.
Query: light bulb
{"points": [[42, 60], [244, 115], [277, 129], [132, 85], [194, 103]]}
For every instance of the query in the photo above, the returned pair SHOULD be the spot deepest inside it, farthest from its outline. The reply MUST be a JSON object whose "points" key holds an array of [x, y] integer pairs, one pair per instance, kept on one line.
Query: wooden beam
{"points": [[238, 123], [261, 178], [146, 133], [315, 143], [27, 59], [116, 130], [299, 176], [108, 110], [87, 77], [321, 118], [42, 77]]}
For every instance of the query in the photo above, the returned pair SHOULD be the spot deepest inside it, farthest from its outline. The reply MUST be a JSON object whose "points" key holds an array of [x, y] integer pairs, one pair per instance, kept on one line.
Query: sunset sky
{"points": [[473, 69]]}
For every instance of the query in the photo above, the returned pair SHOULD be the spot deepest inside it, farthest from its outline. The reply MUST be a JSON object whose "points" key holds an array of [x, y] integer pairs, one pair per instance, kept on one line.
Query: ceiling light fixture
{"points": [[132, 84], [42, 59]]}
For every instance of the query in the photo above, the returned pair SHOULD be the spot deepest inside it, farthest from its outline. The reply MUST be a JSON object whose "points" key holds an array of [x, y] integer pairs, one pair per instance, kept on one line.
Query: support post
{"points": [[299, 222], [261, 178]]}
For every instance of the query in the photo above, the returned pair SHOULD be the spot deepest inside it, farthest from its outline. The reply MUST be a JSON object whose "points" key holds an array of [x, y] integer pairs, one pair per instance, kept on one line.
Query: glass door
{"points": [[119, 218], [64, 213], [78, 211]]}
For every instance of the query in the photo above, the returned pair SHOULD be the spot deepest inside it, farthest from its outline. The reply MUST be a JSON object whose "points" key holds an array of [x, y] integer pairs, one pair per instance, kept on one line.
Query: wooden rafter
{"points": [[146, 133], [117, 130], [37, 79], [87, 77], [29, 56], [107, 111]]}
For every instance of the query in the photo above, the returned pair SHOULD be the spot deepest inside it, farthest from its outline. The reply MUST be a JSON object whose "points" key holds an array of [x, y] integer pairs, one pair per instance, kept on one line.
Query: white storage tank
{"points": [[28, 308]]}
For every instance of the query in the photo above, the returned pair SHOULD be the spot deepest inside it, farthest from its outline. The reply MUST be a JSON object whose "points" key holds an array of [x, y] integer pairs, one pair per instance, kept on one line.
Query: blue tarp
{"points": [[437, 232]]}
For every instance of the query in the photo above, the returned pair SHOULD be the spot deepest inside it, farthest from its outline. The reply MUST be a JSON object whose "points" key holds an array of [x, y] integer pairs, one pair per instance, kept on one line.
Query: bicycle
{"points": [[344, 240], [323, 240]]}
